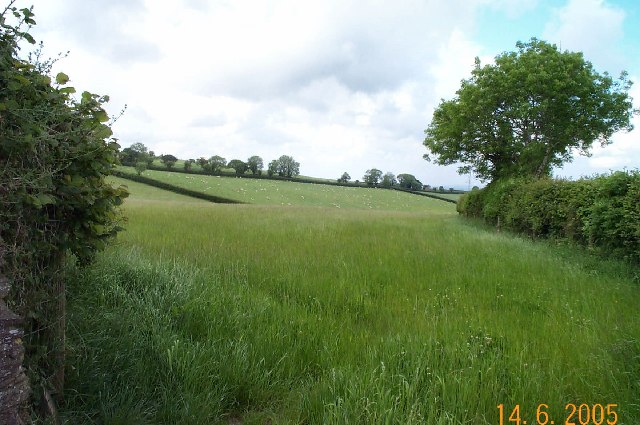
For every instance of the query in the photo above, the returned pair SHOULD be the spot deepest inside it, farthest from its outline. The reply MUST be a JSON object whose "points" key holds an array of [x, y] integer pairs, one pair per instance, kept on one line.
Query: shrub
{"points": [[141, 167], [54, 155], [602, 213]]}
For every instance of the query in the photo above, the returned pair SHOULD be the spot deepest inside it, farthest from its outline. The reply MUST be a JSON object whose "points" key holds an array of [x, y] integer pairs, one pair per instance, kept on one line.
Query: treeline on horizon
{"points": [[141, 158]]}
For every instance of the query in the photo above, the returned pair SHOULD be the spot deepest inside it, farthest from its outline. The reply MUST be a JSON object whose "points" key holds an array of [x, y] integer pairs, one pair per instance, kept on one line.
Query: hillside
{"points": [[289, 193]]}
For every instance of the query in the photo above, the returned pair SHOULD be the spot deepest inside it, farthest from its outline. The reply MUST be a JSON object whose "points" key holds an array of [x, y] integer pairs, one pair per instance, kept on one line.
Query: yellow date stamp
{"points": [[575, 414]]}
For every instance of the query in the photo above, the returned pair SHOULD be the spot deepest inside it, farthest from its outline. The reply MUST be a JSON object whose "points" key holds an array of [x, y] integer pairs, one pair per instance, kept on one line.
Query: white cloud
{"points": [[512, 8], [455, 61], [591, 26], [342, 85]]}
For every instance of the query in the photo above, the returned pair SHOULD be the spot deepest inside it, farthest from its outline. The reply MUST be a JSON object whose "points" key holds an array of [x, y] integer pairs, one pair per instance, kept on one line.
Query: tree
{"points": [[168, 160], [372, 177], [238, 165], [344, 178], [286, 166], [204, 164], [255, 164], [273, 168], [409, 181], [150, 157], [134, 153], [389, 180], [141, 167], [528, 113], [188, 164], [217, 163]]}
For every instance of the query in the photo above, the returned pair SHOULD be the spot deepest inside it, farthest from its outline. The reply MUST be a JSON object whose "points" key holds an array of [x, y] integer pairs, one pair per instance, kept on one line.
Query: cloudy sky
{"points": [[341, 85]]}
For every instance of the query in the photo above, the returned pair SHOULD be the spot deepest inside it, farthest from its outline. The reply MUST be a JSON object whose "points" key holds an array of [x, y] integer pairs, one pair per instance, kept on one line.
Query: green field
{"points": [[286, 193], [142, 193], [330, 305], [446, 195]]}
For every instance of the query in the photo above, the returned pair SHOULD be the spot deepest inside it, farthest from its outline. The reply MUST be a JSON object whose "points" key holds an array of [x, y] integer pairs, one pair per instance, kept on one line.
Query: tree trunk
{"points": [[545, 162]]}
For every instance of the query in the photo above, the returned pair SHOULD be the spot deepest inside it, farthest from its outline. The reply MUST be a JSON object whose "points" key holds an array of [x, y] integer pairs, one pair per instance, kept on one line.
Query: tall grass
{"points": [[203, 313]]}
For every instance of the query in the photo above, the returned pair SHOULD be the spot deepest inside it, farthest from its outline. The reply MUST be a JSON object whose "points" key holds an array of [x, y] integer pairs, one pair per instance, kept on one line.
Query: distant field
{"points": [[313, 314], [454, 196], [285, 193], [145, 193]]}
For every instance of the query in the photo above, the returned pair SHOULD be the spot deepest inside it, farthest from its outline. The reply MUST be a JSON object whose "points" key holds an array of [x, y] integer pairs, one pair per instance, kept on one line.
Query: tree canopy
{"points": [[344, 178], [372, 176], [255, 164], [527, 113], [238, 165], [388, 180], [216, 163], [168, 160], [286, 166], [409, 181], [134, 153]]}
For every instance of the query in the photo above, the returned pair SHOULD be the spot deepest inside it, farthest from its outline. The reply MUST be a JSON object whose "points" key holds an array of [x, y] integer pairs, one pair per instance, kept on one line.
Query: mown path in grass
{"points": [[302, 314]]}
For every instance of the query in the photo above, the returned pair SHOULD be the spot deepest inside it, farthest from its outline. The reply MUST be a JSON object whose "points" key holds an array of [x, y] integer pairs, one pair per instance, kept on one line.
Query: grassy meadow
{"points": [[331, 305], [287, 193]]}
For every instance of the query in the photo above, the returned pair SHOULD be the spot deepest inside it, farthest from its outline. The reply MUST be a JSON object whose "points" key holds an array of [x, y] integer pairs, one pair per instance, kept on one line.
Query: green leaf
{"points": [[28, 36], [44, 199], [68, 90], [62, 78], [14, 85], [101, 115], [103, 132]]}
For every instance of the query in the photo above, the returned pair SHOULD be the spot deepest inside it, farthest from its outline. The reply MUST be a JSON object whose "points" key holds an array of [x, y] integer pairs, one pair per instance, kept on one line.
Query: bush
{"points": [[613, 218], [602, 213], [55, 152]]}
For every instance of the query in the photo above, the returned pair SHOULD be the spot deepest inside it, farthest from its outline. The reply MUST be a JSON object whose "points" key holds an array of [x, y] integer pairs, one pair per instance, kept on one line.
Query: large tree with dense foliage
{"points": [[238, 165], [135, 153], [527, 113], [286, 166], [409, 181], [255, 164], [389, 180], [217, 163], [372, 176]]}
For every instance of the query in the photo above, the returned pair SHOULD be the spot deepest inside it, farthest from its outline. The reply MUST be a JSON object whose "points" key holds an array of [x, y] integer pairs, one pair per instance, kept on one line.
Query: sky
{"points": [[340, 85]]}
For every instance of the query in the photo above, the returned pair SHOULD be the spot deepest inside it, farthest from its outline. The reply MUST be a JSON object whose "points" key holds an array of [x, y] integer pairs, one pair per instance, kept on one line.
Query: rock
{"points": [[14, 385]]}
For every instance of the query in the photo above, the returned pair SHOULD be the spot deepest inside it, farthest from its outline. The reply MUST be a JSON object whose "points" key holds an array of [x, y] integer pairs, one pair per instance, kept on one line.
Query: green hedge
{"points": [[175, 189], [602, 213]]}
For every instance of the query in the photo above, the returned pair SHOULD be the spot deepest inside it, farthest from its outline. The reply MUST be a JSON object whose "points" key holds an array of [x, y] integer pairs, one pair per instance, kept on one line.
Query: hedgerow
{"points": [[602, 213], [55, 150]]}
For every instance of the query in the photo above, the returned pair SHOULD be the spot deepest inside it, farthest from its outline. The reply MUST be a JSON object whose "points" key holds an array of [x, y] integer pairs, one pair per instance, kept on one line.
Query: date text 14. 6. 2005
{"points": [[575, 414]]}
